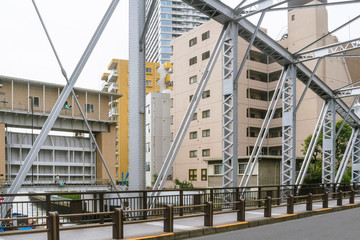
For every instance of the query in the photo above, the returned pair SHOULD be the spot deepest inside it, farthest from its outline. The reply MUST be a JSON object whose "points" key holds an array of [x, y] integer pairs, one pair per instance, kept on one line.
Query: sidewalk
{"points": [[191, 227]]}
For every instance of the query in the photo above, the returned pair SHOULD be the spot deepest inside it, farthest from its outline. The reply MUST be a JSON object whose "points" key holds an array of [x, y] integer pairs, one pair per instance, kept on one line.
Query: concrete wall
{"points": [[16, 98], [106, 142], [269, 171]]}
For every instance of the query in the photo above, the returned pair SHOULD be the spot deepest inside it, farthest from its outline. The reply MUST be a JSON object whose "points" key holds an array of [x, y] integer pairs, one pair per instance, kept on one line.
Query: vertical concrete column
{"points": [[107, 144], [2, 152]]}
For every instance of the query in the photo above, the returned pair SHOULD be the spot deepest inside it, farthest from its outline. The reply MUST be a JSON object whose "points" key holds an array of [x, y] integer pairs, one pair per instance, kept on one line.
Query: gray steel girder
{"points": [[223, 13]]}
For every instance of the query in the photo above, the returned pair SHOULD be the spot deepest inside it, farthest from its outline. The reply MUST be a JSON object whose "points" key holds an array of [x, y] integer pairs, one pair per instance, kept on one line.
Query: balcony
{"points": [[167, 78], [105, 76], [104, 86], [113, 112], [168, 67], [112, 76], [112, 87]]}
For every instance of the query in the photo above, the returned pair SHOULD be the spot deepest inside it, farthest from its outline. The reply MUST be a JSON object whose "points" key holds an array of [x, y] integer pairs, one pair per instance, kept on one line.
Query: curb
{"points": [[242, 225]]}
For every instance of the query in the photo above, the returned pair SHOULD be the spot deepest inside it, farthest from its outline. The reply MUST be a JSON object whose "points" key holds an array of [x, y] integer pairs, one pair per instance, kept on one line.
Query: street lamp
{"points": [[32, 134]]}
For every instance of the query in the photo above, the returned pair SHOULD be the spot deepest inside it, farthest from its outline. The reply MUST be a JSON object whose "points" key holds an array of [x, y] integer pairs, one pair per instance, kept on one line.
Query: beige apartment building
{"points": [[24, 107], [199, 159]]}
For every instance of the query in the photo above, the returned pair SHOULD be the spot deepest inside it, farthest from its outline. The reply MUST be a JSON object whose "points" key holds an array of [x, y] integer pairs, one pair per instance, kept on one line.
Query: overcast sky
{"points": [[26, 53]]}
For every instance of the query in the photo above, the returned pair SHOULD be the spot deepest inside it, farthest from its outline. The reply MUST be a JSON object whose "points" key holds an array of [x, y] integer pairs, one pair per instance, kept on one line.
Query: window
{"points": [[147, 147], [148, 83], [205, 35], [171, 120], [242, 167], [206, 152], [194, 116], [148, 70], [191, 97], [193, 135], [192, 42], [36, 101], [206, 94], [205, 55], [192, 61], [147, 128], [292, 17], [206, 114], [193, 79], [218, 169], [89, 108], [193, 154], [206, 133], [192, 174], [203, 174], [147, 109], [171, 102], [147, 166]]}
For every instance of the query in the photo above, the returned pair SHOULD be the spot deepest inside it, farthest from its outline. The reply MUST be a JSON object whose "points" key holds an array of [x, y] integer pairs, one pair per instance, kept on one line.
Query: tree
{"points": [[314, 173]]}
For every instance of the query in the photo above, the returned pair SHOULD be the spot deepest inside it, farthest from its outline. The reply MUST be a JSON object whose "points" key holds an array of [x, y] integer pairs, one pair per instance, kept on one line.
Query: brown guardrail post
{"points": [[209, 214], [267, 209], [352, 197], [181, 202], [211, 195], [144, 198], [290, 204], [309, 202], [340, 198], [53, 226], [169, 218], [101, 202], [259, 196], [48, 204], [326, 200], [118, 227], [240, 206]]}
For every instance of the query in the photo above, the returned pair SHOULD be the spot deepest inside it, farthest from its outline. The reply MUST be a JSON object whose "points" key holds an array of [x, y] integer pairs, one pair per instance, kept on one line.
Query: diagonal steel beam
{"points": [[170, 158], [274, 50], [74, 95], [58, 106]]}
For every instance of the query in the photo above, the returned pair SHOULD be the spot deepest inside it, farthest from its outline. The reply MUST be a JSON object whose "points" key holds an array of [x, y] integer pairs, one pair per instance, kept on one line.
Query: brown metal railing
{"points": [[117, 217]]}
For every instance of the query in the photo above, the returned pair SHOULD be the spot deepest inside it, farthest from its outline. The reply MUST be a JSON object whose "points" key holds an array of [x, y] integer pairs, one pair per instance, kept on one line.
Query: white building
{"points": [[158, 135]]}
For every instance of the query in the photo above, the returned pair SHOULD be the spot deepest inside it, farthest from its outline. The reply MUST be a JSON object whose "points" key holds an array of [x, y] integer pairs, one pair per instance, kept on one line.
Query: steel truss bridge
{"points": [[235, 24]]}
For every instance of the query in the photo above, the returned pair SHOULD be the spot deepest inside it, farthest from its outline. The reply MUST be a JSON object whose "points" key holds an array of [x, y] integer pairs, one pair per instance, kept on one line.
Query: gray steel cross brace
{"points": [[18, 181]]}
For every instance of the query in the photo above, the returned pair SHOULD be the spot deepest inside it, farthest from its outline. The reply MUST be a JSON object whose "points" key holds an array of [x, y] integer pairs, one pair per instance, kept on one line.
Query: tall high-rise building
{"points": [[170, 19]]}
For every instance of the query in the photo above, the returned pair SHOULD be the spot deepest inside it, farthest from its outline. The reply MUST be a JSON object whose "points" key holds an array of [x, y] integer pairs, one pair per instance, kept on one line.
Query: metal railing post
{"points": [[326, 200], [101, 202], [259, 196], [240, 207], [211, 195], [53, 226], [267, 209], [118, 227], [169, 218], [352, 197], [144, 198], [309, 202], [209, 214], [340, 198], [48, 204], [181, 202], [290, 204]]}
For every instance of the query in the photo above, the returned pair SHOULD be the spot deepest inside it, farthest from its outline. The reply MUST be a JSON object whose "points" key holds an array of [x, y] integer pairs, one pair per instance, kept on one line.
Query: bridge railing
{"points": [[82, 208]]}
